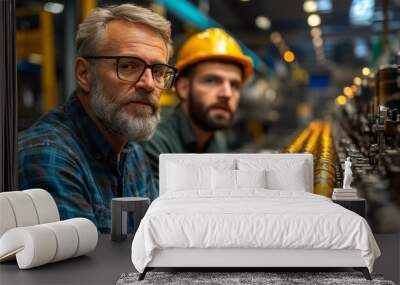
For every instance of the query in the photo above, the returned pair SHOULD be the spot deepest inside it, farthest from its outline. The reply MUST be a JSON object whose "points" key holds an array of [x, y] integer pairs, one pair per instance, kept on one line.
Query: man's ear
{"points": [[82, 74], [182, 87]]}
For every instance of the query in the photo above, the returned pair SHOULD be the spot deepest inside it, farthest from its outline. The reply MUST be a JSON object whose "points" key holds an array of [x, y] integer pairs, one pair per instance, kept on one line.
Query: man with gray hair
{"points": [[86, 152]]}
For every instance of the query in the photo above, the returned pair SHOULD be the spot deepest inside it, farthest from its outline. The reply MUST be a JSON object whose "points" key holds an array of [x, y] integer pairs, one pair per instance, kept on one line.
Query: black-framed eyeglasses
{"points": [[131, 69]]}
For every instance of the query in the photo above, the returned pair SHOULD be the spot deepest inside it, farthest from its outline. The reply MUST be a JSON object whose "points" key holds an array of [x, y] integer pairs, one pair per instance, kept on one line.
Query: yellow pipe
{"points": [[86, 8], [325, 172], [48, 78], [317, 139], [298, 143], [312, 144]]}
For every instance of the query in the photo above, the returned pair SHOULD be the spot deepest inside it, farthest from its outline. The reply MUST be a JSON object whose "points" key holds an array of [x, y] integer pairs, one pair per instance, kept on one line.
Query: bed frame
{"points": [[245, 259]]}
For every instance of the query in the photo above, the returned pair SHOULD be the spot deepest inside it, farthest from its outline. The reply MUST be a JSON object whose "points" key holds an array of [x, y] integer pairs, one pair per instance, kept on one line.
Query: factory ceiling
{"points": [[345, 46]]}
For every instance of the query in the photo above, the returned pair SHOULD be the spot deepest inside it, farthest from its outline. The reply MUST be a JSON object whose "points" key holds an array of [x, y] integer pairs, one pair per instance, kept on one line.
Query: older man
{"points": [[212, 70], [85, 153]]}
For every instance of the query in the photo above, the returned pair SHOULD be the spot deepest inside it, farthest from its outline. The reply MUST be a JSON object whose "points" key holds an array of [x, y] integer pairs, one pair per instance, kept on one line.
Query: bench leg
{"points": [[143, 274], [364, 271]]}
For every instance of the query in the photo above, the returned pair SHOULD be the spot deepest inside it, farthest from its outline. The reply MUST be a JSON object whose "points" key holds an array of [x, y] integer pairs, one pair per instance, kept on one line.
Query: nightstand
{"points": [[357, 205], [120, 207]]}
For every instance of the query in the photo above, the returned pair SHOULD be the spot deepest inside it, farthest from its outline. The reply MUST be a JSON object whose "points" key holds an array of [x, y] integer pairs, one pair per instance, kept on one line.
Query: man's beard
{"points": [[117, 121], [201, 116]]}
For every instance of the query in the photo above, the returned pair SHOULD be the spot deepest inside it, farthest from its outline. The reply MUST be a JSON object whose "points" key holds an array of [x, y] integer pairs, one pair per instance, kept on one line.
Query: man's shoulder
{"points": [[169, 120], [168, 127], [54, 129]]}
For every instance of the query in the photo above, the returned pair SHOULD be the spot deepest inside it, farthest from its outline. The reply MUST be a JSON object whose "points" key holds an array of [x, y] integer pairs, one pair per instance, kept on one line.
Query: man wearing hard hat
{"points": [[212, 69]]}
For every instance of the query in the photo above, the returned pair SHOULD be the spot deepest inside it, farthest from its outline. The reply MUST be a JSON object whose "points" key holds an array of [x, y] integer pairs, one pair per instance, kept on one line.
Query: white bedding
{"points": [[252, 218]]}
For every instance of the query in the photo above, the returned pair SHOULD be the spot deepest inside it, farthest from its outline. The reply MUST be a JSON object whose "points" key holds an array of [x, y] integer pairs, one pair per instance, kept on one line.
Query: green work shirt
{"points": [[174, 134]]}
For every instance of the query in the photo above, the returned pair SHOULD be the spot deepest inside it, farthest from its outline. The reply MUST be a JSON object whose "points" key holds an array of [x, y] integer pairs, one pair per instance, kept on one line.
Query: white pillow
{"points": [[208, 162], [282, 174], [288, 176], [251, 178], [182, 177], [223, 179]]}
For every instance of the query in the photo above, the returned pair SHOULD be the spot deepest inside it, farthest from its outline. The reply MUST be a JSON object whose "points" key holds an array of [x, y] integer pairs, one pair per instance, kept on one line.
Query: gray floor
{"points": [[106, 264], [389, 262]]}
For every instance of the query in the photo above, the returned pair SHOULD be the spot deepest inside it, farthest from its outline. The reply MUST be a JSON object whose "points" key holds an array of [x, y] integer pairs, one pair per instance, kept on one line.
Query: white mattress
{"points": [[250, 219]]}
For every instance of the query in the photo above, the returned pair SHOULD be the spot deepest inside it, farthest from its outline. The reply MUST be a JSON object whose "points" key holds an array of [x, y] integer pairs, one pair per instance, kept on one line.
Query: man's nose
{"points": [[146, 81], [227, 90]]}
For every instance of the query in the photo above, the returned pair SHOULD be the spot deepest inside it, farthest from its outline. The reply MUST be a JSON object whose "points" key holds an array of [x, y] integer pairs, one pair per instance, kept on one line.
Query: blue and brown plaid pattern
{"points": [[66, 154]]}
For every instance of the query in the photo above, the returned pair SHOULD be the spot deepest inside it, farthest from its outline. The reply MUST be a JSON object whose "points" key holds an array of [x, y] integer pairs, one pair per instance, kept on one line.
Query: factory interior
{"points": [[326, 81]]}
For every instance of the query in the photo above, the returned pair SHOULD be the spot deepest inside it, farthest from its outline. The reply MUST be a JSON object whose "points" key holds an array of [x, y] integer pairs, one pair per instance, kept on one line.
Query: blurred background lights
{"points": [[314, 20], [276, 37], [317, 42], [324, 6], [35, 58], [55, 8], [348, 91], [288, 56], [310, 6], [357, 80], [360, 48], [263, 23], [316, 32], [366, 71], [341, 100], [362, 12]]}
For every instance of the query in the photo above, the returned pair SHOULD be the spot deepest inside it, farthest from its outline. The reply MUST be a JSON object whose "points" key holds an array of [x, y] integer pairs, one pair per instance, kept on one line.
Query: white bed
{"points": [[215, 211]]}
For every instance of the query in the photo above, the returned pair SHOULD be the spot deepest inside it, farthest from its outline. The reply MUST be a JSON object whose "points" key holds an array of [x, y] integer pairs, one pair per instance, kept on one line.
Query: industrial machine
{"points": [[368, 131]]}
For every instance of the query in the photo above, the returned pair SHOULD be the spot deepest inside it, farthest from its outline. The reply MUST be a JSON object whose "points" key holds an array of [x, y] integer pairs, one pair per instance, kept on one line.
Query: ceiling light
{"points": [[324, 6], [316, 32], [245, 0], [276, 37], [35, 58], [55, 8], [362, 12], [263, 23], [348, 91], [288, 56], [314, 20], [366, 71], [317, 42], [360, 48], [357, 80], [310, 6], [341, 100]]}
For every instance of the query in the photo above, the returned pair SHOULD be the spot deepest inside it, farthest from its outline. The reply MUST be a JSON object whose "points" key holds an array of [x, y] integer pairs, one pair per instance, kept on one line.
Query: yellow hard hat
{"points": [[213, 43]]}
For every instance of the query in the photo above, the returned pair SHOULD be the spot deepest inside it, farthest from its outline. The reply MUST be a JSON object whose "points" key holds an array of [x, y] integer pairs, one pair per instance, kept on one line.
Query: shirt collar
{"points": [[88, 131], [185, 129]]}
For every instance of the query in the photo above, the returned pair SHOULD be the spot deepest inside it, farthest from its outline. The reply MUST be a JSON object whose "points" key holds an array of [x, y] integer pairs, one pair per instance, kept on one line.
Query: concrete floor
{"points": [[388, 263]]}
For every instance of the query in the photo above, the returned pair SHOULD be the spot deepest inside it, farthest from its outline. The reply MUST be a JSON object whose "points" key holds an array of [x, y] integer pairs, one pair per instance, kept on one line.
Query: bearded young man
{"points": [[212, 70], [86, 152]]}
